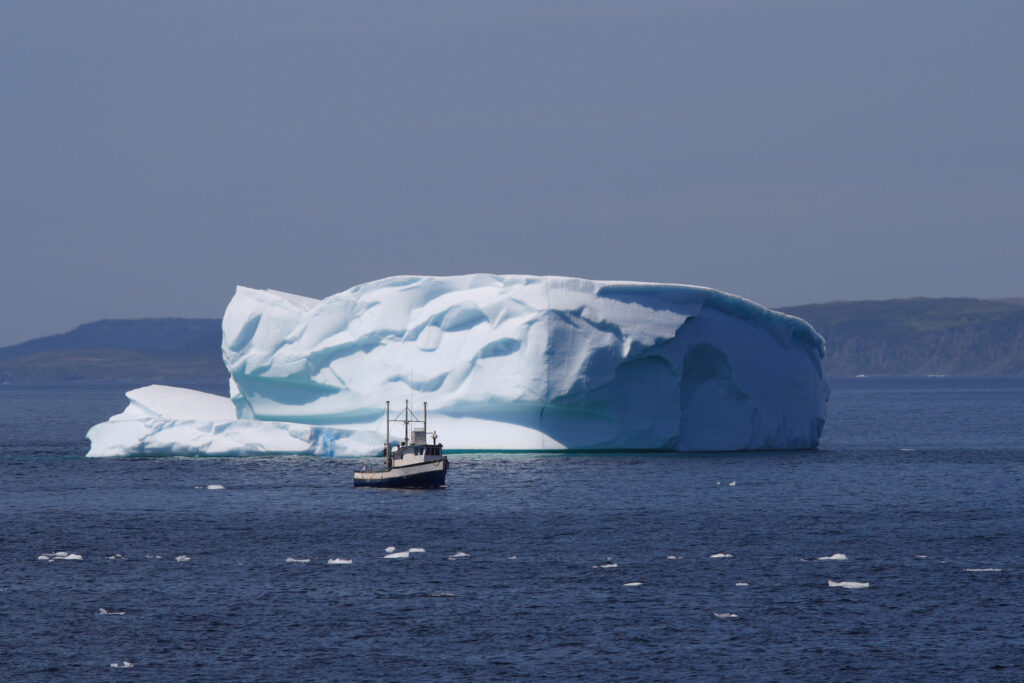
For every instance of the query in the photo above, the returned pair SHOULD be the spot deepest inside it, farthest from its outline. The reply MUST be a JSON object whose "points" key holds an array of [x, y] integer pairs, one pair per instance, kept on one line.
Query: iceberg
{"points": [[162, 420], [511, 362]]}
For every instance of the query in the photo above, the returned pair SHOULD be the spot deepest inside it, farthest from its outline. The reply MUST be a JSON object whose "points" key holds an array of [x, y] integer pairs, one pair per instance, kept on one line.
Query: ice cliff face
{"points": [[533, 363]]}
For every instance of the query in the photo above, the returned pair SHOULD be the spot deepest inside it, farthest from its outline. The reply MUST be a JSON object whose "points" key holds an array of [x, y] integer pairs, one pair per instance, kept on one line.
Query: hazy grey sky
{"points": [[155, 154]]}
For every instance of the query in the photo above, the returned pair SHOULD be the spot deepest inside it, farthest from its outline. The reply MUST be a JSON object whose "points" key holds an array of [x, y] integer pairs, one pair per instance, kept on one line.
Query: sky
{"points": [[154, 155]]}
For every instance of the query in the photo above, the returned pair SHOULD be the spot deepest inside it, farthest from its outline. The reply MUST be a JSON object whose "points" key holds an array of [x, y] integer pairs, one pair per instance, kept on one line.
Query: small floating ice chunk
{"points": [[984, 569], [389, 549], [458, 555], [117, 556], [417, 550], [671, 557], [606, 565], [732, 483], [338, 560], [511, 557], [182, 558], [109, 611], [847, 584], [298, 560], [837, 556], [61, 555], [720, 555], [397, 556], [154, 557], [122, 665], [440, 595], [633, 583], [214, 487], [742, 583], [920, 557], [725, 615]]}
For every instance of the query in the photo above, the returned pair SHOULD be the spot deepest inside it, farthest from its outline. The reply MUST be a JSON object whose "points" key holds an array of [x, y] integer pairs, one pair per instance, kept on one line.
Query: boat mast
{"points": [[424, 419], [387, 433], [406, 416]]}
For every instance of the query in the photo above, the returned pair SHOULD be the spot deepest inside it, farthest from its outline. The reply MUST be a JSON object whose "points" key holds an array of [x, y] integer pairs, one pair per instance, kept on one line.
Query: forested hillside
{"points": [[147, 351], [920, 336]]}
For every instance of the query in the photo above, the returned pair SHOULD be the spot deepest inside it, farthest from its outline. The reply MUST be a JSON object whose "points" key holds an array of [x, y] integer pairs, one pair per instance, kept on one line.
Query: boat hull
{"points": [[427, 475]]}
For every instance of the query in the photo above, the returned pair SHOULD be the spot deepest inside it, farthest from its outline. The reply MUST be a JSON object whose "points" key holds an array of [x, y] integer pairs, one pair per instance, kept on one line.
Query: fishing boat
{"points": [[411, 464]]}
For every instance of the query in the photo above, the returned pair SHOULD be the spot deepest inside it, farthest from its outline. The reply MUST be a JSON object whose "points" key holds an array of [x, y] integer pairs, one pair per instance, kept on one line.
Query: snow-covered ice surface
{"points": [[506, 363]]}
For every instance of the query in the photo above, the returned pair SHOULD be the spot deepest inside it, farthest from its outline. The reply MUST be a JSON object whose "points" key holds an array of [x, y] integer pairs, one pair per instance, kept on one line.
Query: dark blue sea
{"points": [[918, 482]]}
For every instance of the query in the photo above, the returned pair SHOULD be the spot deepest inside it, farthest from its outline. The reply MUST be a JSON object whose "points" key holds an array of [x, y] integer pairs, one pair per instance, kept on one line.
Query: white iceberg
{"points": [[162, 420], [505, 362]]}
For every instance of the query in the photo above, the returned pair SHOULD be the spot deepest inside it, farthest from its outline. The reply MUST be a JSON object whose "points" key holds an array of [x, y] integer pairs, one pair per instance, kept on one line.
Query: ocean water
{"points": [[917, 483]]}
